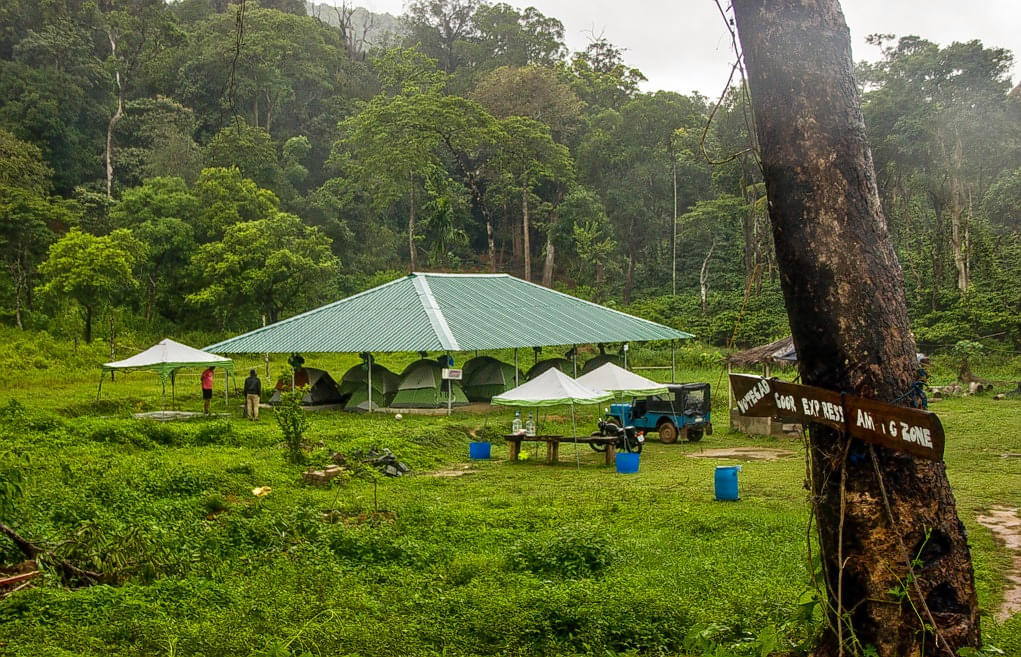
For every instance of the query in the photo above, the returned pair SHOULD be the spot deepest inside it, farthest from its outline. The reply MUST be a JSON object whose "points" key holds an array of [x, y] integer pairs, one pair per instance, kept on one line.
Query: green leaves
{"points": [[94, 272], [271, 265]]}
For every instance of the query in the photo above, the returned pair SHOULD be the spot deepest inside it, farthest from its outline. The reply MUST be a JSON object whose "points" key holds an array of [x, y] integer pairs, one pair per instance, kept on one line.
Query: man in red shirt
{"points": [[207, 387]]}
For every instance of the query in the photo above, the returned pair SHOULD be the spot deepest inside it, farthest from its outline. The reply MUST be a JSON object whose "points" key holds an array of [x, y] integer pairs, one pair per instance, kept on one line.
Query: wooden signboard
{"points": [[905, 429]]}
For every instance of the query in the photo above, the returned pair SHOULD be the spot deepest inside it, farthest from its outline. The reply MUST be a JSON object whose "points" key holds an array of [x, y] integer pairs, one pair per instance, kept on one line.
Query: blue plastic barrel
{"points": [[726, 482], [478, 451], [627, 462]]}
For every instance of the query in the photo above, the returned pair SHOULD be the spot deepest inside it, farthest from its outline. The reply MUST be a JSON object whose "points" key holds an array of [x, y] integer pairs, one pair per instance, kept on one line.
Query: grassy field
{"points": [[461, 558]]}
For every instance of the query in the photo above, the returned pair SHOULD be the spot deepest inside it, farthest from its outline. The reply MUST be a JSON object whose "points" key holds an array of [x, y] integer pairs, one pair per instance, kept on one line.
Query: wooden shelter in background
{"points": [[767, 357]]}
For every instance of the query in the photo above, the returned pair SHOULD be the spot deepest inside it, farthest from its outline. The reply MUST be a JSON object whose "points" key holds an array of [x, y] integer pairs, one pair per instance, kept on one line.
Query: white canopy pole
{"points": [[368, 361], [515, 369]]}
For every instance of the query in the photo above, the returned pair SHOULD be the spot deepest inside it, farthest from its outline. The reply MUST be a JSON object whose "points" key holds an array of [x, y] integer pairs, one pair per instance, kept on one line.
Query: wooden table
{"points": [[553, 445]]}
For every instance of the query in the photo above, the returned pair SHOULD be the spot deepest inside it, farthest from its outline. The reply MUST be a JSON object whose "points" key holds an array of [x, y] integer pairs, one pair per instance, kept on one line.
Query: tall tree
{"points": [[269, 266], [528, 157], [940, 121], [443, 28], [887, 522], [96, 273], [25, 220]]}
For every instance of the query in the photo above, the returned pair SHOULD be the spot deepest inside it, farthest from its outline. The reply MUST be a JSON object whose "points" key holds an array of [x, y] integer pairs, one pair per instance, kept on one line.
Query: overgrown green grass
{"points": [[503, 558]]}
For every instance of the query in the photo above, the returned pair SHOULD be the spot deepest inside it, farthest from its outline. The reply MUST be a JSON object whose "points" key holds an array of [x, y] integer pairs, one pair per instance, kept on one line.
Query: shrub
{"points": [[293, 423], [572, 552]]}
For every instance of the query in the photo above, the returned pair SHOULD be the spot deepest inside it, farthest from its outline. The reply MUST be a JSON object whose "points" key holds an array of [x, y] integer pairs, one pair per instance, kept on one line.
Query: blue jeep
{"points": [[682, 411]]}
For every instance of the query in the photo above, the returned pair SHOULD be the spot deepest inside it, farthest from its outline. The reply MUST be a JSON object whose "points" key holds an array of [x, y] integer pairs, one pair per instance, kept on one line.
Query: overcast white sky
{"points": [[683, 45]]}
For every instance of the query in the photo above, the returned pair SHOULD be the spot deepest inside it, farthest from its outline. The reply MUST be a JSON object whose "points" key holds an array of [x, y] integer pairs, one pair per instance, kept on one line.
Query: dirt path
{"points": [[743, 454], [1006, 526]]}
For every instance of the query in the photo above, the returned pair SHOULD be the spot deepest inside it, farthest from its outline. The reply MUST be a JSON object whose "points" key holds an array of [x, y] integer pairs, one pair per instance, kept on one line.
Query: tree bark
{"points": [[113, 120], [958, 227], [526, 246], [491, 245], [411, 227], [876, 509], [547, 267], [88, 324], [703, 279]]}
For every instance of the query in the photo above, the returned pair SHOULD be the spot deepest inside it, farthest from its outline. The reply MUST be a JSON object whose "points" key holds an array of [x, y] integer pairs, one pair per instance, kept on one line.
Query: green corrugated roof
{"points": [[448, 312]]}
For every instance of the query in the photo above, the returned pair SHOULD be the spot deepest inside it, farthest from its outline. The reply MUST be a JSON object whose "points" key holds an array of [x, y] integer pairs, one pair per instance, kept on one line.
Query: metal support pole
{"points": [[673, 361], [730, 389], [730, 398], [368, 361], [266, 355], [450, 396], [102, 375], [226, 389], [515, 368], [574, 359]]}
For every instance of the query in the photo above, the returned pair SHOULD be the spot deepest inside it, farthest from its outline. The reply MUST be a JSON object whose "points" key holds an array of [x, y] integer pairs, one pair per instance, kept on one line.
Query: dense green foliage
{"points": [[239, 142]]}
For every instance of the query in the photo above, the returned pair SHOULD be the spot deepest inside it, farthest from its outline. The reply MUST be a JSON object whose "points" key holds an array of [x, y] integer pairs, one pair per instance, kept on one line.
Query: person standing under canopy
{"points": [[207, 388]]}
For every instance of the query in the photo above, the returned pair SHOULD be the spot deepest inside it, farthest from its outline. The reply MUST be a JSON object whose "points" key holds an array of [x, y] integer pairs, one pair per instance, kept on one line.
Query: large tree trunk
{"points": [[491, 245], [525, 242], [411, 227], [877, 510], [113, 119], [88, 324], [547, 267], [958, 226], [703, 279]]}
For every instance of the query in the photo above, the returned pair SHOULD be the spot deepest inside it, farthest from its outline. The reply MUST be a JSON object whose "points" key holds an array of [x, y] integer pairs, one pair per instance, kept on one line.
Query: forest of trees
{"points": [[199, 165]]}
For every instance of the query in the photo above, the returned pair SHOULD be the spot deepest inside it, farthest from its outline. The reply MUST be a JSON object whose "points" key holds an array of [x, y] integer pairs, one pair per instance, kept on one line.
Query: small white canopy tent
{"points": [[616, 379], [165, 358], [553, 388]]}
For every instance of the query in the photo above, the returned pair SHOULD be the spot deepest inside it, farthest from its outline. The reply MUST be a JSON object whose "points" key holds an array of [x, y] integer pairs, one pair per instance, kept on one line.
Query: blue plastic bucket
{"points": [[478, 451], [726, 482], [627, 463]]}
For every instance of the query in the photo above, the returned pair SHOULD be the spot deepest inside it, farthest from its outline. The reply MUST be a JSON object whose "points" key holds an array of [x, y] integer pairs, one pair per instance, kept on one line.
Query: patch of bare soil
{"points": [[1006, 527], [744, 454], [458, 471]]}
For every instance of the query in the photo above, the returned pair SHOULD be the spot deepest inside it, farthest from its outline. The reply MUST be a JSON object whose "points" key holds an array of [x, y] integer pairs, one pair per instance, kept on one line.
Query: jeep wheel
{"points": [[667, 433], [694, 435]]}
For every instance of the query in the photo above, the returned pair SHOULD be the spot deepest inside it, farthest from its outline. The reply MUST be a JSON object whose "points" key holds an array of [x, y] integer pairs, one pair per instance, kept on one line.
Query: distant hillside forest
{"points": [[201, 166]]}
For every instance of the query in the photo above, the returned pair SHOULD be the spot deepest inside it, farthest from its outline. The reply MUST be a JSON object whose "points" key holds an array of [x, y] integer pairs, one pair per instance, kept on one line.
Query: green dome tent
{"points": [[322, 389], [485, 377], [600, 360], [355, 386], [561, 364], [422, 386]]}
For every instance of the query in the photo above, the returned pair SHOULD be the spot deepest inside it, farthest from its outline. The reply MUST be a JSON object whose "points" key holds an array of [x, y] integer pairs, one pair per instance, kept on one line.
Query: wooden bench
{"points": [[553, 445]]}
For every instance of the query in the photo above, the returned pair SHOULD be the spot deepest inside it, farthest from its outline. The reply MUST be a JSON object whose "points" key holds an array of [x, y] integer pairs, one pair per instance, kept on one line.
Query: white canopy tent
{"points": [[553, 388], [165, 358], [616, 379]]}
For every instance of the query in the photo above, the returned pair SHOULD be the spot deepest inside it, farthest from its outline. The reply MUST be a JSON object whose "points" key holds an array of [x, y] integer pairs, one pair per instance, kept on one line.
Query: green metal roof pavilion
{"points": [[448, 312]]}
